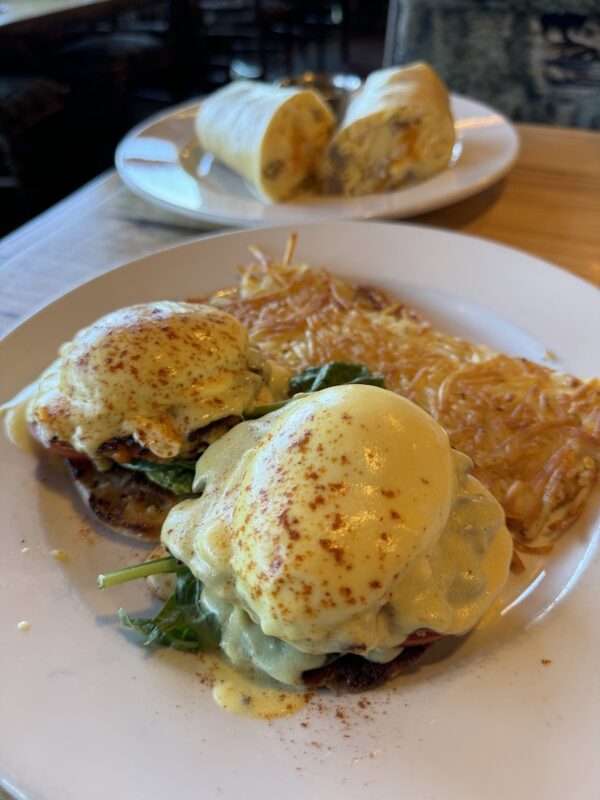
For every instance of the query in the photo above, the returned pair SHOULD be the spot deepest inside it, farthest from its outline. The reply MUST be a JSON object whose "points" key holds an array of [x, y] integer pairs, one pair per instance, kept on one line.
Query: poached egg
{"points": [[155, 372], [342, 523]]}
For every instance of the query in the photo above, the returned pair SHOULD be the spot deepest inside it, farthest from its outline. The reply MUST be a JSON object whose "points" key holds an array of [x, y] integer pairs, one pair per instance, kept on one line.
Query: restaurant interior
{"points": [[76, 76], [193, 254]]}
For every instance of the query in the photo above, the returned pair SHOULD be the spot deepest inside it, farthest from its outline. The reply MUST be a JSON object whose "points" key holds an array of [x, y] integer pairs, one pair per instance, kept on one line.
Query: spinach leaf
{"points": [[177, 476], [336, 373], [261, 411], [136, 571], [182, 623], [313, 379]]}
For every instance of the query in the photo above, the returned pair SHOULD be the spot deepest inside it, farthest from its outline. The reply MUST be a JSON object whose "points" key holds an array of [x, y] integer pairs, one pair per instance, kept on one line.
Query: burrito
{"points": [[274, 137], [398, 127]]}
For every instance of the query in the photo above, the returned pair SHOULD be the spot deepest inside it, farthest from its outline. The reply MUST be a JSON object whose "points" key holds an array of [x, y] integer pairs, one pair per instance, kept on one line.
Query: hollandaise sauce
{"points": [[247, 695], [15, 420]]}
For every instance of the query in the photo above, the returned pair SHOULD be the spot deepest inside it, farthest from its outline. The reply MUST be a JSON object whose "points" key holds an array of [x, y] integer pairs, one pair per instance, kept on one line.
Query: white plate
{"points": [[161, 161], [88, 714]]}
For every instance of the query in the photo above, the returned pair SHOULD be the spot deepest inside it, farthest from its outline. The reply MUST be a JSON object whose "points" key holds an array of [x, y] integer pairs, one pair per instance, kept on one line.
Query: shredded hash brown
{"points": [[534, 435]]}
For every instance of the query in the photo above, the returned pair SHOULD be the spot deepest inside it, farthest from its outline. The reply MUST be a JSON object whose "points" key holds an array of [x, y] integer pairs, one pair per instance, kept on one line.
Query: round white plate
{"points": [[513, 711], [161, 161]]}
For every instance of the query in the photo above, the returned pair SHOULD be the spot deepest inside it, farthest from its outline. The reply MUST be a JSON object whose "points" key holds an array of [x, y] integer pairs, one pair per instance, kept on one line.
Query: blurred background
{"points": [[76, 75]]}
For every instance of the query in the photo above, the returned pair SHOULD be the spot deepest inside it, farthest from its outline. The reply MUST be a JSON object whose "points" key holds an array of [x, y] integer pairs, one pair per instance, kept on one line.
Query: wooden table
{"points": [[549, 206], [18, 16]]}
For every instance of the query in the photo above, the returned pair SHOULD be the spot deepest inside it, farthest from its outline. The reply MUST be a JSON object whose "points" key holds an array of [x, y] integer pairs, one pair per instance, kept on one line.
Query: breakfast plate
{"points": [[513, 710], [161, 161]]}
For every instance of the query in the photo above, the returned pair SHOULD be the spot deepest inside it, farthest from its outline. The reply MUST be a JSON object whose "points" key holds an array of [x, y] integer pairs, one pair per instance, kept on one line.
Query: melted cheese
{"points": [[341, 523], [156, 372]]}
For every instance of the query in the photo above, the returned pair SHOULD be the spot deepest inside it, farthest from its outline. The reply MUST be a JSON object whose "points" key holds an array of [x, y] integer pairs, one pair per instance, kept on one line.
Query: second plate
{"points": [[161, 161]]}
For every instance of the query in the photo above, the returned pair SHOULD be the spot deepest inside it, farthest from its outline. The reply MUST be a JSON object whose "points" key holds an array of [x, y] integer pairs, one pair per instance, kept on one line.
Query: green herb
{"points": [[182, 623], [336, 373], [136, 571], [313, 379], [177, 476], [260, 411]]}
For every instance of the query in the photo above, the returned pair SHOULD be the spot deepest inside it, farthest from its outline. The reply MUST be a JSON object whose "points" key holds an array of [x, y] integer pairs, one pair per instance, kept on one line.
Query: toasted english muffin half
{"points": [[123, 500]]}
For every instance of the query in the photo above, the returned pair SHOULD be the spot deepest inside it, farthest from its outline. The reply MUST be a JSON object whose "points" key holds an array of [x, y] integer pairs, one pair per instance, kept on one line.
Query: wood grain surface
{"points": [[549, 205], [18, 16]]}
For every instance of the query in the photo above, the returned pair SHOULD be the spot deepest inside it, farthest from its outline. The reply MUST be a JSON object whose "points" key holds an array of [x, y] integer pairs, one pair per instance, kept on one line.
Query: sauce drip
{"points": [[248, 696]]}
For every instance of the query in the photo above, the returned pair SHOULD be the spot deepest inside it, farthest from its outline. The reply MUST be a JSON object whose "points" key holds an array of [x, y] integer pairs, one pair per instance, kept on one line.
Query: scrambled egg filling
{"points": [[399, 126], [340, 523], [274, 137]]}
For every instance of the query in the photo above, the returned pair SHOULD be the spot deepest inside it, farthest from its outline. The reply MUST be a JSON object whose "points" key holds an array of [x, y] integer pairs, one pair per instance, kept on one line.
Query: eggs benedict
{"points": [[336, 533], [133, 399]]}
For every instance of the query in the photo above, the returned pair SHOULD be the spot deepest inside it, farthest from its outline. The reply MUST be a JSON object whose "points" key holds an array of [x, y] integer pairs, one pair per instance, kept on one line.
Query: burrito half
{"points": [[274, 137], [398, 127]]}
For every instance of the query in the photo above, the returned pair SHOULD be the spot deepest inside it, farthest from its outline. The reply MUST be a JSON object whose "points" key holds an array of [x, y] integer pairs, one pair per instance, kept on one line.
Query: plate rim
{"points": [[406, 225]]}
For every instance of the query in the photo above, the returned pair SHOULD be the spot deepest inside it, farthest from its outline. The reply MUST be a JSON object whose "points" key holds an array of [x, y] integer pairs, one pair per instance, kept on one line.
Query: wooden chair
{"points": [[263, 38], [29, 102]]}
